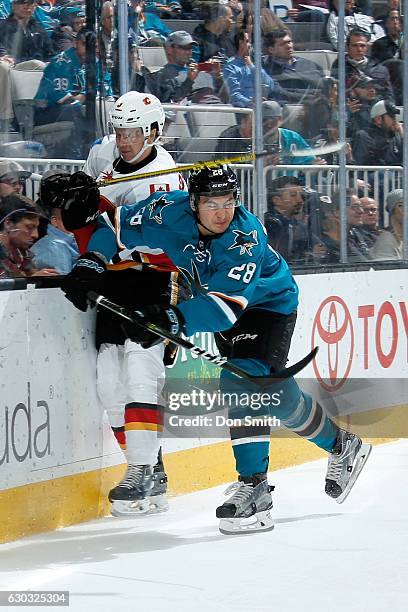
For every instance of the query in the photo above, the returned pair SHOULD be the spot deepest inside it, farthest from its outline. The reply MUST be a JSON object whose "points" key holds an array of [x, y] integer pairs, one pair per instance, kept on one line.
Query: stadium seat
{"points": [[309, 35], [193, 150], [24, 86], [24, 83], [207, 124], [187, 25], [153, 58], [323, 58], [102, 111]]}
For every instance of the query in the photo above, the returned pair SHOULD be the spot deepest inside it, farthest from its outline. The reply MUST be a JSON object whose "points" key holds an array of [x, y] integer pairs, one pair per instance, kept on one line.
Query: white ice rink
{"points": [[321, 556]]}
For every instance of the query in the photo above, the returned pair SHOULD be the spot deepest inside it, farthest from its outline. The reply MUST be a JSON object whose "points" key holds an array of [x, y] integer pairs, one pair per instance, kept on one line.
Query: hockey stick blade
{"points": [[263, 381], [323, 150]]}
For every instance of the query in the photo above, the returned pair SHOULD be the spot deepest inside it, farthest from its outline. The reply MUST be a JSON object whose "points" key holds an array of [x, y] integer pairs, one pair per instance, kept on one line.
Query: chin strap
{"points": [[142, 150]]}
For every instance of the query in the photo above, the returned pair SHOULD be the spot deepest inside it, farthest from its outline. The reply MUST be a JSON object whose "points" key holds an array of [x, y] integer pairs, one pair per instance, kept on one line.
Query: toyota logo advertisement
{"points": [[333, 332], [359, 322]]}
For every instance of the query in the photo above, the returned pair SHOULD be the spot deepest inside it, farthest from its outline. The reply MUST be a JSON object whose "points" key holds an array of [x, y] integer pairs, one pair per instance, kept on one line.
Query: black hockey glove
{"points": [[86, 275], [80, 202], [167, 317]]}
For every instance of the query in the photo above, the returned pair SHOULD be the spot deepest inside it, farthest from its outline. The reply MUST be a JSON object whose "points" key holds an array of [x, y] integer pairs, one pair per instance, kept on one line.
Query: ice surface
{"points": [[321, 556]]}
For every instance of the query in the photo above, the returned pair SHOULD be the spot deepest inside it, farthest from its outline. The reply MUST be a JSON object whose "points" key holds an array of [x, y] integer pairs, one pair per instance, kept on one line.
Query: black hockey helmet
{"points": [[77, 195], [53, 189], [212, 181]]}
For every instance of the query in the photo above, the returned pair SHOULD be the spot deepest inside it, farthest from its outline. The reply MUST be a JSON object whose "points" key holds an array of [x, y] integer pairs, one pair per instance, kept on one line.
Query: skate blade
{"points": [[361, 458], [261, 521], [158, 504], [143, 507], [130, 508]]}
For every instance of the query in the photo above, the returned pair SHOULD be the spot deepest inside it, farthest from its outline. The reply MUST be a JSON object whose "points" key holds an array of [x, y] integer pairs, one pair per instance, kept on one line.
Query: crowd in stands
{"points": [[212, 63]]}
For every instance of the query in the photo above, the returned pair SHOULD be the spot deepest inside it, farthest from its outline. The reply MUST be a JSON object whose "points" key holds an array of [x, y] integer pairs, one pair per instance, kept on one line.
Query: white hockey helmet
{"points": [[138, 110]]}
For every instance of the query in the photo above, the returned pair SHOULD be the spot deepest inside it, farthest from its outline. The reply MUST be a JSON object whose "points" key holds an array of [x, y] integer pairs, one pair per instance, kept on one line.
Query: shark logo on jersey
{"points": [[245, 242], [194, 279], [200, 254], [156, 209]]}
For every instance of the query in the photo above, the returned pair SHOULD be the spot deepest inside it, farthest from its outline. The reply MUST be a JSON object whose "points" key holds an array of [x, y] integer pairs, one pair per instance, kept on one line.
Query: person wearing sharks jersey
{"points": [[129, 378], [244, 292]]}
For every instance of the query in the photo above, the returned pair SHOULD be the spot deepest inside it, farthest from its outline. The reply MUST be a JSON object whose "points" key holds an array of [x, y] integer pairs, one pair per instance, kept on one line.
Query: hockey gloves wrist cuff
{"points": [[169, 318], [86, 275]]}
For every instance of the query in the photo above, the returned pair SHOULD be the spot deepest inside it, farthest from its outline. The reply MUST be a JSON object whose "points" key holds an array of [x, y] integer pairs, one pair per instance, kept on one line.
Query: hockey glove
{"points": [[167, 317], [80, 202], [86, 275]]}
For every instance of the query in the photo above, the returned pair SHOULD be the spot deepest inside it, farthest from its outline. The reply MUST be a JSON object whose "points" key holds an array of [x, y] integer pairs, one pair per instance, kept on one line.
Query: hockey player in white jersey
{"points": [[129, 378], [132, 149]]}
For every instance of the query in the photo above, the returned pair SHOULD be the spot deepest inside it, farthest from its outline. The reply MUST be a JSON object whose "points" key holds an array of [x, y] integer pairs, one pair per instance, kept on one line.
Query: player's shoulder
{"points": [[164, 157], [245, 236], [161, 201], [102, 146]]}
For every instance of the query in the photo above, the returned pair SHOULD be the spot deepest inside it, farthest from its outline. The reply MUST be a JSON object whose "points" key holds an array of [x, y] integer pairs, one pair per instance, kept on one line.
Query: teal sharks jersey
{"points": [[228, 273]]}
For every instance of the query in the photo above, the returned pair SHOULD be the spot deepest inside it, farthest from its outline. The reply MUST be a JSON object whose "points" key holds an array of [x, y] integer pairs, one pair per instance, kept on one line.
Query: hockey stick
{"points": [[323, 150], [211, 163], [263, 381]]}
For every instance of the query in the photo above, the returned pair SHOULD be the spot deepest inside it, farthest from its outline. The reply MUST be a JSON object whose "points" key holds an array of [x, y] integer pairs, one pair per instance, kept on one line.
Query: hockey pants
{"points": [[129, 384]]}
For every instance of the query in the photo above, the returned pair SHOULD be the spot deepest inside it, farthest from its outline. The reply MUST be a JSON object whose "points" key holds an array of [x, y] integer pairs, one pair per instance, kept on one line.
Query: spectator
{"points": [[389, 46], [361, 96], [239, 75], [63, 38], [295, 74], [58, 248], [393, 5], [282, 143], [181, 78], [147, 28], [74, 17], [12, 177], [330, 136], [369, 229], [22, 36], [237, 13], [61, 95], [389, 244], [286, 234], [236, 139], [320, 109], [106, 37], [137, 72], [381, 144], [5, 8], [352, 21], [165, 9], [19, 220], [357, 62], [395, 68], [211, 35], [357, 248], [315, 11]]}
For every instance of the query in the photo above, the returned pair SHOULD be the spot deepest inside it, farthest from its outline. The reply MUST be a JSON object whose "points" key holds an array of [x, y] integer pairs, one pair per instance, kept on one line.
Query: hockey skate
{"points": [[248, 509], [345, 464], [157, 495], [131, 496]]}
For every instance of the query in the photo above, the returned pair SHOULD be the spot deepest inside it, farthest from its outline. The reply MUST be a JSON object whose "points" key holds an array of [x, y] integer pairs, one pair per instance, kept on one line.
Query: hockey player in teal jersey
{"points": [[244, 292]]}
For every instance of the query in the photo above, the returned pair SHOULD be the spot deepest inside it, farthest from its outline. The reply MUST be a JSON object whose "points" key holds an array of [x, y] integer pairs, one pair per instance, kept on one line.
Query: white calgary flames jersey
{"points": [[103, 159]]}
